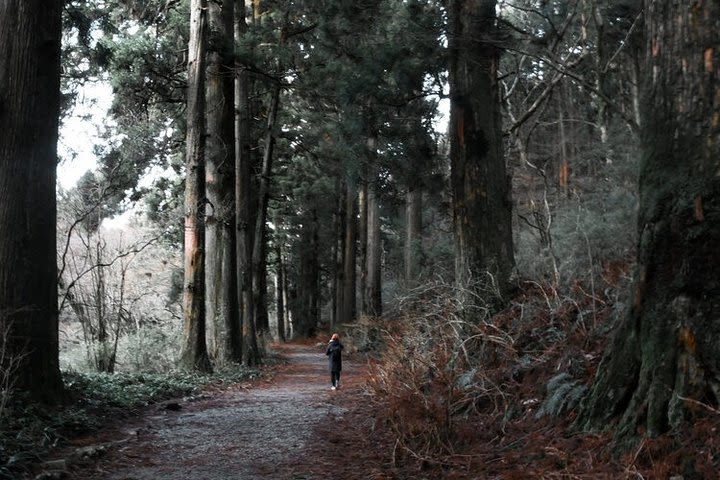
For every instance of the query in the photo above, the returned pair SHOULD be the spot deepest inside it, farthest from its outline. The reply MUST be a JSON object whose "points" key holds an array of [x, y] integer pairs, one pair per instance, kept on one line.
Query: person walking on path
{"points": [[334, 353]]}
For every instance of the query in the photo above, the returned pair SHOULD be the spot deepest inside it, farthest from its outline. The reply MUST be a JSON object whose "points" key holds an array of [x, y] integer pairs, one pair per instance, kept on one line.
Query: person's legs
{"points": [[337, 379]]}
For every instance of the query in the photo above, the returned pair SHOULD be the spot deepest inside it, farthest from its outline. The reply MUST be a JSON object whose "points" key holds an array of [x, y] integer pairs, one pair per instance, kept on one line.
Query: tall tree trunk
{"points": [[244, 225], [287, 319], [103, 362], [29, 113], [666, 353], [373, 293], [260, 289], [306, 317], [413, 234], [635, 76], [415, 181], [602, 80], [564, 168], [362, 229], [194, 354], [350, 271], [482, 209], [280, 291], [221, 300], [339, 271], [259, 244]]}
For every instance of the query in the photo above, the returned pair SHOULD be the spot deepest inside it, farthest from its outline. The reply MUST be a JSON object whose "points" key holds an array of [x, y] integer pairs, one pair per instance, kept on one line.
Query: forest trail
{"points": [[283, 426]]}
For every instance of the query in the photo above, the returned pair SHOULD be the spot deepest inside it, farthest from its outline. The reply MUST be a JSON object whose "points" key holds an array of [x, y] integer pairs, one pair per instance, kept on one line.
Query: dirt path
{"points": [[273, 430]]}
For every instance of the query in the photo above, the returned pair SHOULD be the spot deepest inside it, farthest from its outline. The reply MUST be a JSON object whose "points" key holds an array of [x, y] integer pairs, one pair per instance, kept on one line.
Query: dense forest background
{"points": [[355, 128], [463, 189]]}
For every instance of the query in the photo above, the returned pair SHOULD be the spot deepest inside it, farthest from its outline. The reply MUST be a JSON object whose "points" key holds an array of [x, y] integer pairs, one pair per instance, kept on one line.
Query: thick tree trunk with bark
{"points": [[350, 271], [373, 286], [221, 300], [308, 298], [194, 355], [415, 181], [262, 319], [259, 257], [29, 113], [481, 187], [666, 353], [243, 215], [280, 292], [413, 234], [362, 229], [340, 219]]}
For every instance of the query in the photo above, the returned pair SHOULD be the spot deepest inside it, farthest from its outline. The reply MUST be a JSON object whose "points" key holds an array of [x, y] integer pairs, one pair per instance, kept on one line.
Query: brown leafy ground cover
{"points": [[497, 433], [290, 425]]}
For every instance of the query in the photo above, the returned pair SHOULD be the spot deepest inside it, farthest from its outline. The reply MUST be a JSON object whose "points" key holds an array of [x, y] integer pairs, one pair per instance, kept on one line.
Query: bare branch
{"points": [[134, 251], [624, 42]]}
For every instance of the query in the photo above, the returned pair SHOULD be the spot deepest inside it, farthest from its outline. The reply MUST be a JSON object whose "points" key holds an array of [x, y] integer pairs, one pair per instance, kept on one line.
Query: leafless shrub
{"points": [[433, 368], [115, 285], [363, 335]]}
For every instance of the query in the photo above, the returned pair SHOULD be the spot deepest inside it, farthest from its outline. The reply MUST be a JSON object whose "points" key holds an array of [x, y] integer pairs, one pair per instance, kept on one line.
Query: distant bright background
{"points": [[79, 133]]}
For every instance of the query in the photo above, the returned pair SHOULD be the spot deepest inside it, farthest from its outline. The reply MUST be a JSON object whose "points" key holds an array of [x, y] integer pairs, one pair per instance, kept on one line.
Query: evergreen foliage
{"points": [[353, 69], [362, 85]]}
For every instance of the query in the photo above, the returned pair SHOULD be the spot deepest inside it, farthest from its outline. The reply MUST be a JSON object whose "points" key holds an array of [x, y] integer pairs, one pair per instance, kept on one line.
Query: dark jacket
{"points": [[334, 353]]}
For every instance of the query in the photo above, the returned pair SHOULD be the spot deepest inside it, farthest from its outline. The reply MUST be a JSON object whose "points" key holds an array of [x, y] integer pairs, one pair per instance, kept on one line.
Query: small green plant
{"points": [[129, 390], [30, 430], [563, 394]]}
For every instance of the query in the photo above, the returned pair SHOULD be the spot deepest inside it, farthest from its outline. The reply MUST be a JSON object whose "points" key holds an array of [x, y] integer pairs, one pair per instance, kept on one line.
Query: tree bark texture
{"points": [[373, 285], [259, 257], [602, 80], [194, 355], [29, 116], [415, 179], [339, 273], [280, 292], [413, 235], [260, 290], [481, 187], [667, 349], [307, 314], [243, 200], [350, 255], [221, 300], [362, 229], [286, 298]]}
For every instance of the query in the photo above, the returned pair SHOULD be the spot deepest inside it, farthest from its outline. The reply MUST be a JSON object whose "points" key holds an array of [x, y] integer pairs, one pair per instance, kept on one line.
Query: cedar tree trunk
{"points": [[373, 285], [29, 113], [280, 291], [244, 224], [481, 187], [350, 270], [666, 353], [259, 257], [413, 234], [194, 354], [221, 299]]}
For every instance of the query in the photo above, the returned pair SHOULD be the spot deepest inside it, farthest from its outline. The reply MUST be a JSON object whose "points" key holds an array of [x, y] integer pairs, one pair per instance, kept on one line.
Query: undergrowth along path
{"points": [[271, 429]]}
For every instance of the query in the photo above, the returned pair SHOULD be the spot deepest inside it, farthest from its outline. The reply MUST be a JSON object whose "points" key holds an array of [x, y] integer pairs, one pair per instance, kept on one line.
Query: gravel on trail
{"points": [[289, 425]]}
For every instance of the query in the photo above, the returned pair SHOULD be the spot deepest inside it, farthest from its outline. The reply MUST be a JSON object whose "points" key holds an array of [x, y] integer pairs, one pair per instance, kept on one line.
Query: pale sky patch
{"points": [[80, 132]]}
